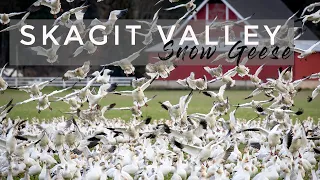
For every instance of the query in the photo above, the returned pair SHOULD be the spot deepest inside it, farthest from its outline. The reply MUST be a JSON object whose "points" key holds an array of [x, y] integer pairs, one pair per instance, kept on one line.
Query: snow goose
{"points": [[218, 96], [50, 53], [103, 77], [307, 52], [254, 77], [113, 17], [135, 110], [35, 88], [103, 91], [226, 78], [64, 19], [214, 72], [137, 94], [19, 25], [54, 5], [126, 63], [161, 68], [188, 82], [3, 83], [43, 101], [273, 136], [190, 6], [178, 112], [314, 94], [78, 73], [199, 153], [133, 130], [5, 18]]}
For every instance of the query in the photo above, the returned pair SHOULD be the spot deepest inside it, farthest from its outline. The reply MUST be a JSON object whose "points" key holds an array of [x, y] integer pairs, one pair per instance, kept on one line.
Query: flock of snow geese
{"points": [[87, 145]]}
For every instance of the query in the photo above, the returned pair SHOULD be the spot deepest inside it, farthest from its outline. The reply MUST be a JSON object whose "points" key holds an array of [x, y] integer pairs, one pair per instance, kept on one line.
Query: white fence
{"points": [[58, 82]]}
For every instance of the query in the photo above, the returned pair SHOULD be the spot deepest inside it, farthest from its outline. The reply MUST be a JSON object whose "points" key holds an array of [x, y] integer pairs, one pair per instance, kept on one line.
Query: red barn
{"points": [[234, 11]]}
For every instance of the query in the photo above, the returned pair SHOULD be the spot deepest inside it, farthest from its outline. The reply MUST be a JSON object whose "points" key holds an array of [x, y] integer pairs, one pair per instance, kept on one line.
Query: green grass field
{"points": [[199, 103]]}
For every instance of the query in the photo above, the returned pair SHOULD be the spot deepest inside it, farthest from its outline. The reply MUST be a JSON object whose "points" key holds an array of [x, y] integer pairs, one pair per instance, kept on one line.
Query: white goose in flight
{"points": [[139, 99], [103, 91], [178, 112], [103, 77], [188, 82], [254, 77], [64, 19], [79, 73], [199, 153], [190, 6], [5, 18], [307, 52], [161, 68], [3, 83], [81, 95], [54, 5], [113, 17], [135, 110], [218, 96], [43, 101], [19, 25], [214, 72], [35, 88], [126, 63], [226, 78], [50, 53], [314, 94]]}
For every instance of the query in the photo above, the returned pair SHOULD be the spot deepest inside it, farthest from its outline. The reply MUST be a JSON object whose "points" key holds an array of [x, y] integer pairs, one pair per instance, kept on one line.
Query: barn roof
{"points": [[270, 9]]}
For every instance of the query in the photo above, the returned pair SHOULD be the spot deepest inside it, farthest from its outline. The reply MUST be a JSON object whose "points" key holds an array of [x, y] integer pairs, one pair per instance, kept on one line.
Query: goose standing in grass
{"points": [[3, 83], [79, 73]]}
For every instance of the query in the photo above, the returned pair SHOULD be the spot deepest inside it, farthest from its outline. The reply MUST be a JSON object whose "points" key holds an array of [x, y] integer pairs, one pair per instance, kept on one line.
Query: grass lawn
{"points": [[199, 103]]}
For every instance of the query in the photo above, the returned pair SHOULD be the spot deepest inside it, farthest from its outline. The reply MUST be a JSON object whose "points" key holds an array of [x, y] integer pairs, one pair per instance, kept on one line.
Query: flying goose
{"points": [[137, 94], [19, 25], [79, 73], [5, 18], [126, 63], [50, 53], [3, 83]]}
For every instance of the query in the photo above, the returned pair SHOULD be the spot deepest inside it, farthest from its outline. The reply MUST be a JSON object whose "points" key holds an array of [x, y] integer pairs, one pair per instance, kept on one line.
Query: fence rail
{"points": [[25, 81]]}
